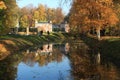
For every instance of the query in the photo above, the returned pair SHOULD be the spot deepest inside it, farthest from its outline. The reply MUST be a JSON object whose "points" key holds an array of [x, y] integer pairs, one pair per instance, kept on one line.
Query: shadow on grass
{"points": [[109, 48], [22, 41]]}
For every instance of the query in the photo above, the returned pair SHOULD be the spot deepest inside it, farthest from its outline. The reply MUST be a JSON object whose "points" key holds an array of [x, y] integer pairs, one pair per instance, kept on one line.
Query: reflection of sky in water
{"points": [[55, 65], [51, 71]]}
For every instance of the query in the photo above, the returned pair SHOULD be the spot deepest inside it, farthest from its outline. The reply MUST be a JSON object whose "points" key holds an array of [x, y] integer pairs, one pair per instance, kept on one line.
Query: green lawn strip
{"points": [[22, 41], [91, 42], [109, 48]]}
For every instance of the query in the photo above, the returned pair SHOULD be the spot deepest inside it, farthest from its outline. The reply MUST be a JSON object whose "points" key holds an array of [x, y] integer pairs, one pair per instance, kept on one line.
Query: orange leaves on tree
{"points": [[93, 13], [2, 5]]}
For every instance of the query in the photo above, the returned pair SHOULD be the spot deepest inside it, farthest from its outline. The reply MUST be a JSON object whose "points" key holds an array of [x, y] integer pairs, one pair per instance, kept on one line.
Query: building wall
{"points": [[65, 26], [44, 27]]}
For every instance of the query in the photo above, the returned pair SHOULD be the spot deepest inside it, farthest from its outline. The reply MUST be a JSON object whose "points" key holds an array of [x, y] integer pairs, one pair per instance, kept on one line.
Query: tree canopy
{"points": [[2, 5], [42, 13], [97, 14], [8, 15]]}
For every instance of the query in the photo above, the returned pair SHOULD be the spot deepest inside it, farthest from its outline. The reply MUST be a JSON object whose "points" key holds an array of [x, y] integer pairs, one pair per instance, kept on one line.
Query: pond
{"points": [[58, 61]]}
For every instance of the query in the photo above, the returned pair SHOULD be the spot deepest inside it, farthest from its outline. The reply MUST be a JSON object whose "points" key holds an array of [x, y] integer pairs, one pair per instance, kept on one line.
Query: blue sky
{"points": [[49, 3]]}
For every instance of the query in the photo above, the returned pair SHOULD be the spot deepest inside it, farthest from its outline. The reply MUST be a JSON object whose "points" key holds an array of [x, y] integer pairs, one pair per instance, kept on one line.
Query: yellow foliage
{"points": [[2, 5], [93, 13]]}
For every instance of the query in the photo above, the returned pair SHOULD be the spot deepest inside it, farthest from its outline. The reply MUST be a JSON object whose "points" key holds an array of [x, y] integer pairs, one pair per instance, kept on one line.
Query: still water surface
{"points": [[53, 61]]}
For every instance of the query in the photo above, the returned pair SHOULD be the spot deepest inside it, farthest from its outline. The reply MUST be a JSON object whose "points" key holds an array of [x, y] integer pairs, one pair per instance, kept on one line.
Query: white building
{"points": [[43, 26], [64, 27]]}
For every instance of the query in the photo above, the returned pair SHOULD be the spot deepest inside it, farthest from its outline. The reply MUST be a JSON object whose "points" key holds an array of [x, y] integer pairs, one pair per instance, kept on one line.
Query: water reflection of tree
{"points": [[8, 67], [87, 69], [42, 58]]}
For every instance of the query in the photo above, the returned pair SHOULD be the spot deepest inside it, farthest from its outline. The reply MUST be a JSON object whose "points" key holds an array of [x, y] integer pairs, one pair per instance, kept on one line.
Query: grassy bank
{"points": [[108, 47], [17, 42]]}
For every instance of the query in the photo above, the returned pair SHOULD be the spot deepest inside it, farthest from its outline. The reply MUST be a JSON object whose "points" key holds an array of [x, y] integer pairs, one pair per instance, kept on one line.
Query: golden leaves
{"points": [[93, 13], [2, 5]]}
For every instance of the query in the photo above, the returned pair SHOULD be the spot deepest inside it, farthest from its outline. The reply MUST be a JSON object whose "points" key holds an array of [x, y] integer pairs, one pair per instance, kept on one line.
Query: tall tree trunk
{"points": [[16, 30], [27, 31]]}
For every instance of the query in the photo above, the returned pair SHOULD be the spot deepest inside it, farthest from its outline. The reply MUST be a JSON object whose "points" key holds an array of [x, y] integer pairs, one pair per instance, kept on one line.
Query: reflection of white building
{"points": [[45, 49], [67, 47], [64, 48]]}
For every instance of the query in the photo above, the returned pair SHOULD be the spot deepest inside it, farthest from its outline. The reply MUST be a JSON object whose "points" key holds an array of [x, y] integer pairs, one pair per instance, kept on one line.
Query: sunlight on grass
{"points": [[114, 39]]}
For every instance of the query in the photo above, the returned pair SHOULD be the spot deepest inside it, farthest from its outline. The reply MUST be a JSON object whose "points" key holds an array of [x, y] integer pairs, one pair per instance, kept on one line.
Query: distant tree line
{"points": [[42, 13], [11, 15]]}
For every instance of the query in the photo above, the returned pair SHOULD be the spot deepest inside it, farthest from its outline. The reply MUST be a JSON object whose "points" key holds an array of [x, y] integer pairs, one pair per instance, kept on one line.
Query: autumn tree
{"points": [[24, 21], [50, 14], [59, 15], [44, 13], [29, 14], [26, 16], [116, 30], [97, 14], [36, 14], [55, 15], [2, 5], [41, 12], [9, 15], [2, 10]]}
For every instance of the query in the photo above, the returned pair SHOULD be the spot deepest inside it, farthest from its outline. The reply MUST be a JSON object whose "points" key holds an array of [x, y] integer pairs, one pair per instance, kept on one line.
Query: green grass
{"points": [[22, 41], [109, 48]]}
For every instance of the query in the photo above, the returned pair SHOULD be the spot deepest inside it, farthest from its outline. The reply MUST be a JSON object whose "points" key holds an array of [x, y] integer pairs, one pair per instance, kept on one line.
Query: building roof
{"points": [[44, 22]]}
